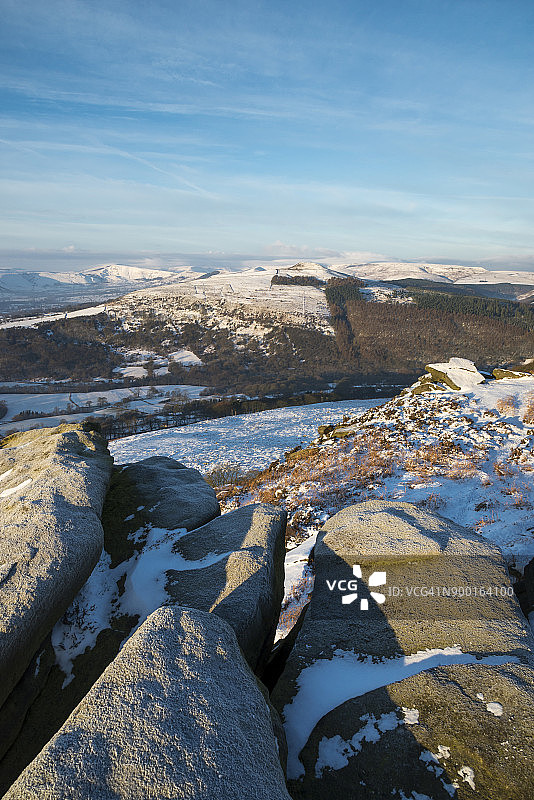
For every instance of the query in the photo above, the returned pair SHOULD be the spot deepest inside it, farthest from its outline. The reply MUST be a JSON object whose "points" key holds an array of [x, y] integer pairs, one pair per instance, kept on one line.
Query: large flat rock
{"points": [[178, 714], [443, 584], [52, 487], [245, 584], [233, 567], [398, 592], [457, 731]]}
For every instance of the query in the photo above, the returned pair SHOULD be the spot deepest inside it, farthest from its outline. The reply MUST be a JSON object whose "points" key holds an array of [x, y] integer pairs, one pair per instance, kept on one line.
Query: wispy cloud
{"points": [[196, 126]]}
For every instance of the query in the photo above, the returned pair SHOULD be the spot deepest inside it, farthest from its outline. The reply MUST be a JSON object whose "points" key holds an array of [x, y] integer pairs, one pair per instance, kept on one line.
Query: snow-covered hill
{"points": [[256, 277], [19, 281], [22, 288], [224, 290], [438, 273], [120, 273], [246, 284]]}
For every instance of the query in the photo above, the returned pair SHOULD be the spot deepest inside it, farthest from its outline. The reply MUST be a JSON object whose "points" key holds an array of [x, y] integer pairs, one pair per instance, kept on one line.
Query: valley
{"points": [[190, 345]]}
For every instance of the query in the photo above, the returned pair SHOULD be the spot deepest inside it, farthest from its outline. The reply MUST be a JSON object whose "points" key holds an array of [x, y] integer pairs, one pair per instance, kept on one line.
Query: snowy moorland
{"points": [[468, 455], [251, 440], [465, 454]]}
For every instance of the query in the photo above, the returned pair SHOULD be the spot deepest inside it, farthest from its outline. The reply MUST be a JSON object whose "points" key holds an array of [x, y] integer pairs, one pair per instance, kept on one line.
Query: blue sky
{"points": [[168, 131]]}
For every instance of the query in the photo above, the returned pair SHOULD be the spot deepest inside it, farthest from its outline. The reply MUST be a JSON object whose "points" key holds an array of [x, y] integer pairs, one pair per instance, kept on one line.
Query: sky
{"points": [[220, 131]]}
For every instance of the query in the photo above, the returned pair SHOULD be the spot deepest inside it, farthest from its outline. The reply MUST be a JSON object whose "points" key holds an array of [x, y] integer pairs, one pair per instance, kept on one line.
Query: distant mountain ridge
{"points": [[11, 279], [440, 273], [20, 288], [20, 281]]}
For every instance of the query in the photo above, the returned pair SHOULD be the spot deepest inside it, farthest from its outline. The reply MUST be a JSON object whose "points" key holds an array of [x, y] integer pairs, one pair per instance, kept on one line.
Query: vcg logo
{"points": [[351, 588]]}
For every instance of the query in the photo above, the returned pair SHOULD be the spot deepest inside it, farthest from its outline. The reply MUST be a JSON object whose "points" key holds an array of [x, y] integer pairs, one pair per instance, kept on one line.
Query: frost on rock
{"points": [[100, 600], [329, 682]]}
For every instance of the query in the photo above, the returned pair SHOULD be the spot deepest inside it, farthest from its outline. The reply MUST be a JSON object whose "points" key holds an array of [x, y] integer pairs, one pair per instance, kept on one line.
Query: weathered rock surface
{"points": [[15, 708], [232, 566], [245, 586], [52, 487], [457, 373], [501, 374], [462, 731], [419, 551], [172, 495], [353, 643], [426, 384], [178, 714]]}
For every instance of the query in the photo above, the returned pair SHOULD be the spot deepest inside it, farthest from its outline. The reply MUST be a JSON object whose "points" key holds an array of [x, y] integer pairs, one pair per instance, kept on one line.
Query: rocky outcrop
{"points": [[232, 566], [245, 584], [457, 373], [405, 599], [177, 714], [501, 374], [52, 487], [172, 495], [426, 384], [454, 731]]}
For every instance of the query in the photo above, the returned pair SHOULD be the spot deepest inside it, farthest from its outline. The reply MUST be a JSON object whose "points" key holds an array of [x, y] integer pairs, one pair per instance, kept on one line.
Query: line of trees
{"points": [[176, 413], [296, 280]]}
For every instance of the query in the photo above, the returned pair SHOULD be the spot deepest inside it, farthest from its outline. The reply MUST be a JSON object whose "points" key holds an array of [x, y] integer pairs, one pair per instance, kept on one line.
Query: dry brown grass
{"points": [[528, 415], [483, 521], [518, 492], [503, 470], [296, 601], [433, 501], [443, 458], [463, 467], [367, 457], [353, 470], [225, 474], [333, 475], [507, 405], [515, 455], [228, 479]]}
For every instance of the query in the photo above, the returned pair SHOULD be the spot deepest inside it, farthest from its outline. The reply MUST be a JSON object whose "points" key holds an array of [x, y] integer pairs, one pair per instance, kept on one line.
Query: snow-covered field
{"points": [[111, 400], [30, 322], [251, 440]]}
